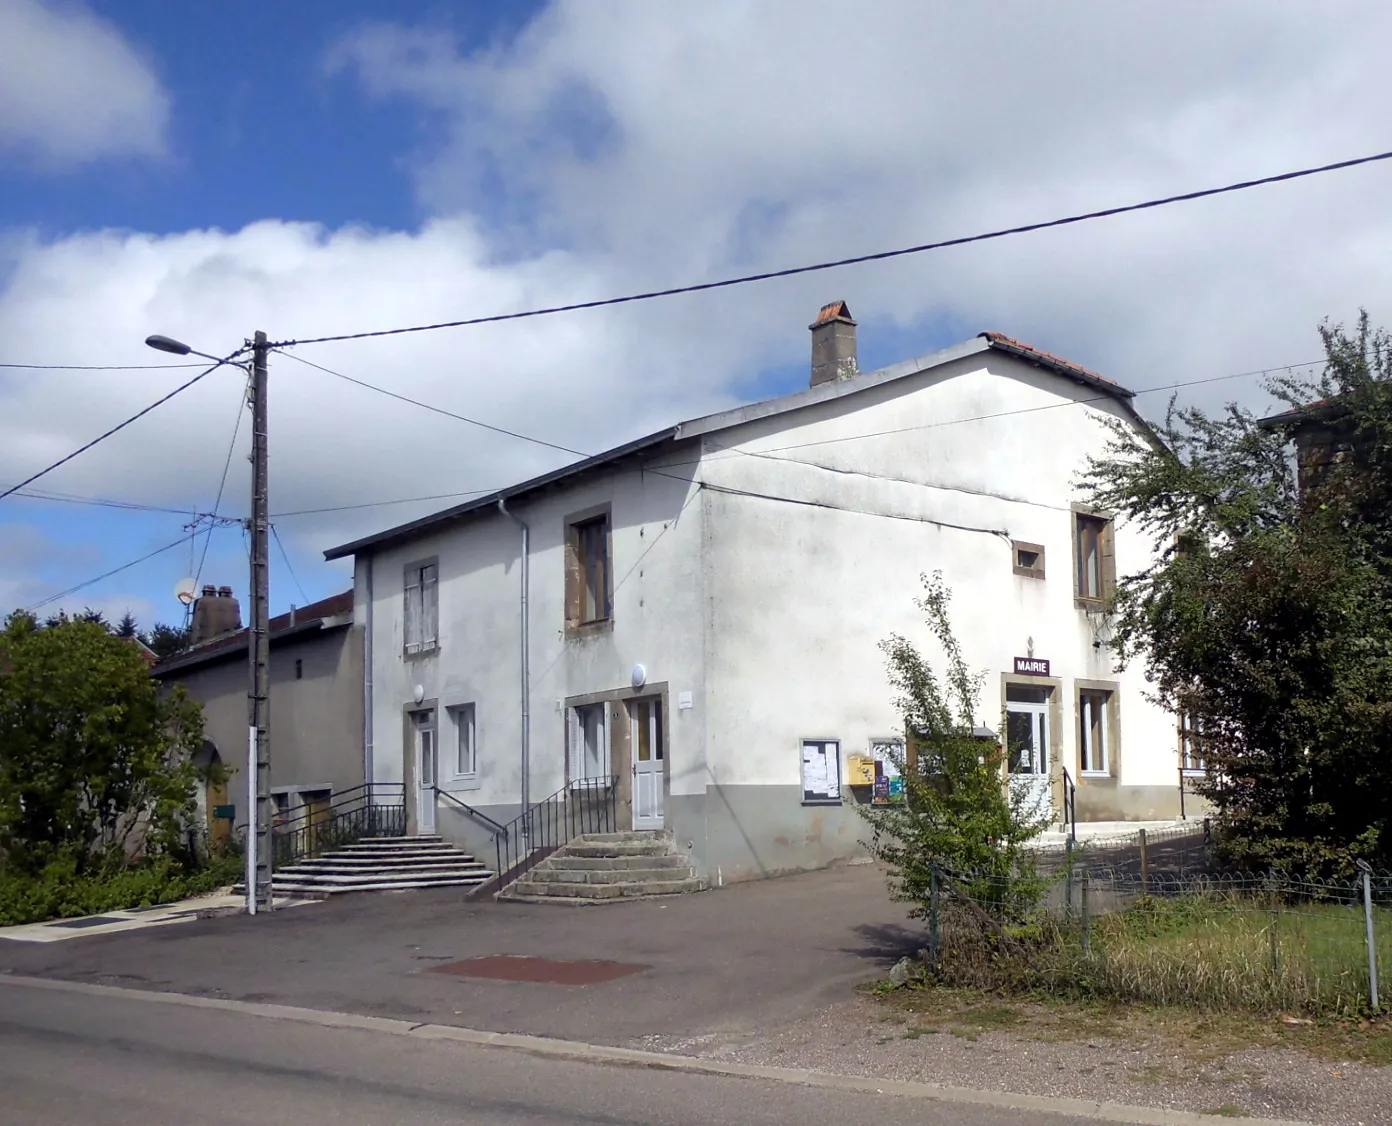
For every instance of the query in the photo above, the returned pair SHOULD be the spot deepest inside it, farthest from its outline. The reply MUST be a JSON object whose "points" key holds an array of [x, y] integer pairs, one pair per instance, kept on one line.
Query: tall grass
{"points": [[1205, 950]]}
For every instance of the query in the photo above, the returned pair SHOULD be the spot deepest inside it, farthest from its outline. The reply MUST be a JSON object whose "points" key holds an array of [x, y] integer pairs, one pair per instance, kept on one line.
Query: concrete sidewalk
{"points": [[136, 918], [733, 960]]}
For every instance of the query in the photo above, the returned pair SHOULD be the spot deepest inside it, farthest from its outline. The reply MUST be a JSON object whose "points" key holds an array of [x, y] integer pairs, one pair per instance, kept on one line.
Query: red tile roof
{"points": [[1029, 350], [332, 607]]}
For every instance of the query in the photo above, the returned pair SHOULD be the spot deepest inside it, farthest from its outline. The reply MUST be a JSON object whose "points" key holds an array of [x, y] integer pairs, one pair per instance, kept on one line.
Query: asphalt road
{"points": [[112, 1061]]}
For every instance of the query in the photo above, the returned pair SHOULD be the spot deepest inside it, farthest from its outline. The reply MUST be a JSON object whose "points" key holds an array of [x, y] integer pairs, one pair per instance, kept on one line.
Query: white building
{"points": [[698, 612]]}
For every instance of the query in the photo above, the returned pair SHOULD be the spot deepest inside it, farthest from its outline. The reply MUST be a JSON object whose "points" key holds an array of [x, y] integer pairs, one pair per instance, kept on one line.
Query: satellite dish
{"points": [[183, 590]]}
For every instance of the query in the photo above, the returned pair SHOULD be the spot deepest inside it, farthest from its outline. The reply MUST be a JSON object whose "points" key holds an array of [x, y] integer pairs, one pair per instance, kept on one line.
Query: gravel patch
{"points": [[855, 1038]]}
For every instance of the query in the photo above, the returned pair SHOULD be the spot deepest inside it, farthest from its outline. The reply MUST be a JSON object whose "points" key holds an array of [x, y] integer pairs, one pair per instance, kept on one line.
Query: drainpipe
{"points": [[367, 676], [526, 663]]}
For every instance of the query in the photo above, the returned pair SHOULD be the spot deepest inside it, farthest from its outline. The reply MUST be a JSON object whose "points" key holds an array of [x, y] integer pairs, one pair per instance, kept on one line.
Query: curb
{"points": [[601, 1054]]}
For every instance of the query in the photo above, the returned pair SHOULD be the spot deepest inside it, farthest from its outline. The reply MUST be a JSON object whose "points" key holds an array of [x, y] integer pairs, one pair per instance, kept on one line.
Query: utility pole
{"points": [[259, 650]]}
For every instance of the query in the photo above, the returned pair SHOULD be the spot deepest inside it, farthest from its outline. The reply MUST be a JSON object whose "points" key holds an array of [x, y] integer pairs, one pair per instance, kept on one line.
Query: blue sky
{"points": [[332, 166]]}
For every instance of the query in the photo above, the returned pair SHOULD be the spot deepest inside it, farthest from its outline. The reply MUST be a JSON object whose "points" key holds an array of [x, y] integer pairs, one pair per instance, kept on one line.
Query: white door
{"points": [[648, 762], [1027, 735], [427, 771]]}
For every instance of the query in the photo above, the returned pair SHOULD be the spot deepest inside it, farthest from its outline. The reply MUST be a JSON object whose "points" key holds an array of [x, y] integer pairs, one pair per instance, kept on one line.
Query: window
{"points": [[589, 742], [821, 771], [1191, 759], [589, 579], [299, 669], [1093, 554], [425, 742], [1029, 559], [1094, 751], [465, 747], [422, 608]]}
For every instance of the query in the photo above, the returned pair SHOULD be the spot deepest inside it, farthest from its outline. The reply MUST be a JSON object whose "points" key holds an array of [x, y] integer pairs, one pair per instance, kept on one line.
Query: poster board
{"points": [[889, 783], [821, 771]]}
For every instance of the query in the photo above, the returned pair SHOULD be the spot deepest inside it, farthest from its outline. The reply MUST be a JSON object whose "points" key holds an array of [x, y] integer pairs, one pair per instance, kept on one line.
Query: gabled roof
{"points": [[327, 613], [736, 416], [1320, 410]]}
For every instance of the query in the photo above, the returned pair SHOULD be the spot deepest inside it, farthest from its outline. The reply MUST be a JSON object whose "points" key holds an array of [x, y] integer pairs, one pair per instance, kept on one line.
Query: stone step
{"points": [[543, 890], [610, 875], [405, 872], [618, 848], [394, 857], [385, 847], [318, 889], [564, 861], [626, 836]]}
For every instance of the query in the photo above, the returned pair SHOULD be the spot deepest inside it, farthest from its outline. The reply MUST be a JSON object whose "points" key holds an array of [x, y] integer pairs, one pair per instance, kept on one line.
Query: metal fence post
{"points": [[1368, 921], [1087, 936], [933, 936], [1068, 877], [1145, 865]]}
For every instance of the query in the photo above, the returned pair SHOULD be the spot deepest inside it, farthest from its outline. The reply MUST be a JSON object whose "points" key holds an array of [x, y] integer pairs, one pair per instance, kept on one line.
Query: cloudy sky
{"points": [[333, 166]]}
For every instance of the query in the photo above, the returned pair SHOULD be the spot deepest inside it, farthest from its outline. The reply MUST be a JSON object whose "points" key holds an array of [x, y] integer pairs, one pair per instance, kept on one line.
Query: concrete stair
{"points": [[383, 864], [607, 868]]}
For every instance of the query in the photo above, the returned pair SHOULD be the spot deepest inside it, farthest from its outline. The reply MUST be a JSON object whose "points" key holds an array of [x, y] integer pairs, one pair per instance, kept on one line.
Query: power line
{"points": [[97, 367], [102, 502], [114, 571], [222, 484], [792, 271], [381, 503], [288, 566], [437, 410], [120, 426]]}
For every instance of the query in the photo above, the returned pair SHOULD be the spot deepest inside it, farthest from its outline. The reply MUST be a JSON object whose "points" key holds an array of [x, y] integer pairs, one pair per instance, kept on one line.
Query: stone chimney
{"points": [[833, 344], [215, 613]]}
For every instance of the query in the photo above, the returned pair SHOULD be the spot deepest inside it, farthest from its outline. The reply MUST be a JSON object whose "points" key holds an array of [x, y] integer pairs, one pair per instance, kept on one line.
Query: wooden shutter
{"points": [[430, 607], [413, 610]]}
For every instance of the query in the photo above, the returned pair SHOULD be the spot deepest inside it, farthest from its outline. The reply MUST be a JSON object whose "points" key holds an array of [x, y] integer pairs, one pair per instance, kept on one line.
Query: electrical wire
{"points": [[883, 255], [97, 367], [121, 425], [102, 502], [437, 410], [288, 566], [114, 571], [222, 484], [380, 503]]}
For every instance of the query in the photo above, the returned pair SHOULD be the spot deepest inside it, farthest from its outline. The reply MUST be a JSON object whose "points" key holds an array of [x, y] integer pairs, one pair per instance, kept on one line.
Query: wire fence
{"points": [[1266, 943]]}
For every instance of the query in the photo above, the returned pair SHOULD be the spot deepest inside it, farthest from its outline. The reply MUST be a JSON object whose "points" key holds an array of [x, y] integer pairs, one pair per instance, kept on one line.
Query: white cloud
{"points": [[73, 89], [610, 148]]}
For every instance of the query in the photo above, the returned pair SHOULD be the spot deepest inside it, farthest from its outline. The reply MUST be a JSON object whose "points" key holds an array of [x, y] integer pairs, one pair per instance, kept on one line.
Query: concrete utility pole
{"points": [[259, 649]]}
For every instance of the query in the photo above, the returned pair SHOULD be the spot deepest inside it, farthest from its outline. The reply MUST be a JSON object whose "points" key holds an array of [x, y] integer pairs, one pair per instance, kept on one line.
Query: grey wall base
{"points": [[470, 834], [1106, 801], [736, 833]]}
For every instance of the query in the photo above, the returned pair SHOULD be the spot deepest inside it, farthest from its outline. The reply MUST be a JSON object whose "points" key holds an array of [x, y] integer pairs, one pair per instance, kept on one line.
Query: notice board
{"points": [[821, 770]]}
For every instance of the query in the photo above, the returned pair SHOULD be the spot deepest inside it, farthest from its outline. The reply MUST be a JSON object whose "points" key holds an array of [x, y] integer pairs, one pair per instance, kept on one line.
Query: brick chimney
{"points": [[833, 344], [215, 613]]}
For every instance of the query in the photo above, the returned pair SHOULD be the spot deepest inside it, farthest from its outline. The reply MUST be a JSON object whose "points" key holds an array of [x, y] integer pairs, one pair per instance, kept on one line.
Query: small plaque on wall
{"points": [[1031, 666]]}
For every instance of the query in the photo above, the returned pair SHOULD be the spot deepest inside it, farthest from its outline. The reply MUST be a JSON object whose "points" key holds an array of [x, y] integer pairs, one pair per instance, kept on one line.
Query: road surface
{"points": [[111, 1060]]}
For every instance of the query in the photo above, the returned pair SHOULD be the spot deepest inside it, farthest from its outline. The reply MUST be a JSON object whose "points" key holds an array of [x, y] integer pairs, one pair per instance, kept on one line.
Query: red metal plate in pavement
{"points": [[508, 967]]}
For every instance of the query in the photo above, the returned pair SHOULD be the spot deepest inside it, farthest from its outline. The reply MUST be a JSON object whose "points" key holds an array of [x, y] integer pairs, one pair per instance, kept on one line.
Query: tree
{"points": [[958, 814], [165, 640], [127, 627], [1266, 616], [95, 760]]}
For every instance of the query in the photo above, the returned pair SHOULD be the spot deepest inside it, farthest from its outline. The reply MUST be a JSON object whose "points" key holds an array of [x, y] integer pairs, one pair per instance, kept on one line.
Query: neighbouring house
{"points": [[316, 704], [696, 614]]}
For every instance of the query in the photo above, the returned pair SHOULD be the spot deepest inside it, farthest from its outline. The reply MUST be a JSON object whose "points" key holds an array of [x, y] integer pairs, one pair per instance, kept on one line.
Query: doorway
{"points": [[649, 762], [427, 764], [1027, 739]]}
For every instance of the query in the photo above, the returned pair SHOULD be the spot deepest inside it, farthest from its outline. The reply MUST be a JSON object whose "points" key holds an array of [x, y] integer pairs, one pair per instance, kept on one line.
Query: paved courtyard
{"points": [[725, 961]]}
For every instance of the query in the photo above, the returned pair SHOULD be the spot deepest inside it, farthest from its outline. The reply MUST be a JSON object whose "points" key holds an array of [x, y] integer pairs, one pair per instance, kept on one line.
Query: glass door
{"points": [[649, 770]]}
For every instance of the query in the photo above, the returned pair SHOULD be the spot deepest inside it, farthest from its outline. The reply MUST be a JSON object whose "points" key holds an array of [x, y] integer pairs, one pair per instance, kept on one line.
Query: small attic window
{"points": [[1029, 559]]}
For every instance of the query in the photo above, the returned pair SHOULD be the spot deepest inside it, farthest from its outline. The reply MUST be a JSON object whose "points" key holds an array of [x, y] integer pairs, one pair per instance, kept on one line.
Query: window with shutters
{"points": [[589, 575], [1094, 558], [422, 608], [589, 743], [1095, 738]]}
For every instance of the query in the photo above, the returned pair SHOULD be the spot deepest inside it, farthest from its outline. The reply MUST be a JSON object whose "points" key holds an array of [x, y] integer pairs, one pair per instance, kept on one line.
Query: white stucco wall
{"points": [[770, 611], [801, 595]]}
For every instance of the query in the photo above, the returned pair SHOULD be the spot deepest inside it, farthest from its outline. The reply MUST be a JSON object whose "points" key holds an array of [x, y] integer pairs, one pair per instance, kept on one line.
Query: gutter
{"points": [[525, 657], [367, 673]]}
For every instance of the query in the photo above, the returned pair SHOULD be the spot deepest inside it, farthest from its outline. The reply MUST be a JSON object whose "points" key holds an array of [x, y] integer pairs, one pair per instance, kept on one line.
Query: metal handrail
{"points": [[585, 805], [1070, 805], [339, 800], [355, 815], [471, 811]]}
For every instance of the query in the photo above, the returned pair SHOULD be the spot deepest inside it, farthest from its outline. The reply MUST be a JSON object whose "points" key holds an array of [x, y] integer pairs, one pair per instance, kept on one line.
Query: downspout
{"points": [[367, 676], [526, 663]]}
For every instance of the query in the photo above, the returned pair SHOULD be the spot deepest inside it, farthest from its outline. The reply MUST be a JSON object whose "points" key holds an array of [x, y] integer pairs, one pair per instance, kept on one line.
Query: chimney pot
{"points": [[224, 592], [209, 591], [833, 344]]}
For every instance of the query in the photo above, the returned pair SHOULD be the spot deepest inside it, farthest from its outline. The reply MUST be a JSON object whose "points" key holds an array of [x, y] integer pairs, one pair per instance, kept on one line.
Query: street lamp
{"points": [[177, 347], [259, 891]]}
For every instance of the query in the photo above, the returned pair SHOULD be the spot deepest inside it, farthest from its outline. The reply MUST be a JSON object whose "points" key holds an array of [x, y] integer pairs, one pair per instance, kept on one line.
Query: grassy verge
{"points": [[58, 893], [918, 1010], [1198, 951]]}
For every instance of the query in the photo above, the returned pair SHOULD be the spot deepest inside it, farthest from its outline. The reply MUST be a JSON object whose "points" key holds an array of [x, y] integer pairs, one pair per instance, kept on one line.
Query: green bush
{"points": [[59, 893]]}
